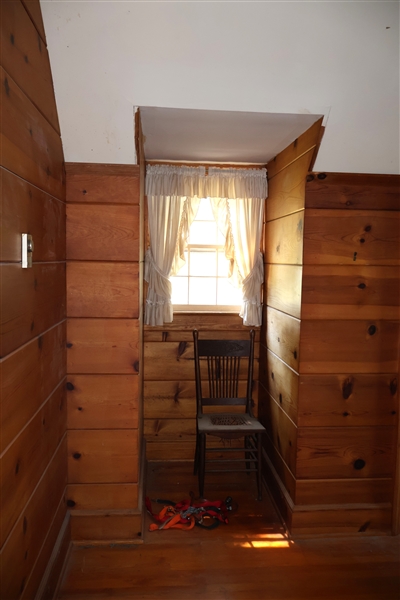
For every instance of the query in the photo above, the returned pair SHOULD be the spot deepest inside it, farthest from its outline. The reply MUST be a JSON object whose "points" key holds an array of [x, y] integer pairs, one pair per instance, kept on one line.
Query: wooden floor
{"points": [[250, 558]]}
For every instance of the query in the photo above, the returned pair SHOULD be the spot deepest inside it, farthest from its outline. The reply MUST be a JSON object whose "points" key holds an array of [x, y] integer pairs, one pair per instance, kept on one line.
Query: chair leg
{"points": [[247, 455], [202, 460], [196, 456], [259, 456]]}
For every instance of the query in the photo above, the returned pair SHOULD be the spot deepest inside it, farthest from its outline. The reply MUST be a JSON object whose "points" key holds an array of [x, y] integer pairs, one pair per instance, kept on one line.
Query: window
{"points": [[202, 283]]}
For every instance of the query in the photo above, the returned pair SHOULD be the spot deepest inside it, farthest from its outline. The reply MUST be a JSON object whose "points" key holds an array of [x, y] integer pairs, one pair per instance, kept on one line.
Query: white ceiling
{"points": [[219, 136]]}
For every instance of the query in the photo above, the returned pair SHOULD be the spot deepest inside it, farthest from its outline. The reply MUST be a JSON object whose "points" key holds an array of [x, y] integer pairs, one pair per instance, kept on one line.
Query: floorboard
{"points": [[251, 558]]}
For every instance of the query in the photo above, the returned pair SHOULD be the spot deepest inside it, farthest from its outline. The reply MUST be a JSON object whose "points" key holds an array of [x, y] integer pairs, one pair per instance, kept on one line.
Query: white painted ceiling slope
{"points": [[298, 58], [218, 136]]}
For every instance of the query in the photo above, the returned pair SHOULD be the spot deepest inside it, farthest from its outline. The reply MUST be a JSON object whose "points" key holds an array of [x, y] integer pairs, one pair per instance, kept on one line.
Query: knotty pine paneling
{"points": [[343, 491], [100, 496], [286, 189], [103, 289], [335, 237], [369, 521], [282, 336], [25, 460], [31, 148], [283, 284], [284, 240], [111, 526], [350, 292], [349, 346], [102, 401], [353, 191], [280, 429], [281, 382], [307, 141], [340, 452], [24, 544], [108, 346], [32, 300], [34, 11], [102, 232], [25, 59], [286, 478], [102, 456], [26, 209], [28, 378], [170, 429], [101, 183], [348, 400]]}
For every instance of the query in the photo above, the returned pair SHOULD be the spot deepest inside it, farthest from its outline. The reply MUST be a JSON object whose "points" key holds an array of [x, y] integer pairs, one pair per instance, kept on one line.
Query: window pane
{"points": [[203, 233], [220, 237], [203, 262], [205, 213], [202, 290], [227, 294], [223, 264], [179, 290]]}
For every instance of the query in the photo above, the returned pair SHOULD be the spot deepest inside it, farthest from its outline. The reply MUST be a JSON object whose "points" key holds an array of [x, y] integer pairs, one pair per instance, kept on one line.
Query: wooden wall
{"points": [[103, 340], [329, 368], [33, 407]]}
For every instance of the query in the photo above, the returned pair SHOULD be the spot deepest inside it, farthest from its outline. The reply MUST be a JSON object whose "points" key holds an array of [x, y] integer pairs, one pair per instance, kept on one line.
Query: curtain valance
{"points": [[193, 182]]}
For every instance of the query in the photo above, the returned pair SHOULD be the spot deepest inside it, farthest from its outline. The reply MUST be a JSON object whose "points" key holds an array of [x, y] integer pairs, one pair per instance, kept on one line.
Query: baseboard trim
{"points": [[51, 579]]}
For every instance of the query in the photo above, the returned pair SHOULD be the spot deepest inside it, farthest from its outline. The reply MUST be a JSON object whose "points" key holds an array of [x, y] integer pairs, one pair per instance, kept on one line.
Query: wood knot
{"points": [[393, 387], [181, 348], [310, 177], [347, 388], [77, 455], [359, 464], [70, 386], [136, 366], [71, 503], [69, 345], [362, 286], [368, 228], [164, 336], [321, 175], [371, 329]]}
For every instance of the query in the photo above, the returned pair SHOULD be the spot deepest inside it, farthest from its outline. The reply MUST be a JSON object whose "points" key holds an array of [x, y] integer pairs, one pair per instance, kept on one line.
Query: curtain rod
{"points": [[207, 165]]}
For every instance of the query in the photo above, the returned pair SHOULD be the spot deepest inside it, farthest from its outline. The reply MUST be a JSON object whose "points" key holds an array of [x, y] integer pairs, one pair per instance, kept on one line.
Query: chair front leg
{"points": [[202, 461], [196, 455]]}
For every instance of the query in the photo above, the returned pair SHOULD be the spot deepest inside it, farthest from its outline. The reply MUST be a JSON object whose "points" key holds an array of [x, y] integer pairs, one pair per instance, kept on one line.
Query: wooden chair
{"points": [[220, 372]]}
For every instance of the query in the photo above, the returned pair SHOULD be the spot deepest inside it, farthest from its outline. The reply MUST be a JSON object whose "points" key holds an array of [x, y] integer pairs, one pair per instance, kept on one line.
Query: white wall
{"points": [[341, 58]]}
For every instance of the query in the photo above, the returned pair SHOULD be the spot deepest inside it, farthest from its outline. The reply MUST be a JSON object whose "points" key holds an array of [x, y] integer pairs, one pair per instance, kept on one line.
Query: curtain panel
{"points": [[237, 198]]}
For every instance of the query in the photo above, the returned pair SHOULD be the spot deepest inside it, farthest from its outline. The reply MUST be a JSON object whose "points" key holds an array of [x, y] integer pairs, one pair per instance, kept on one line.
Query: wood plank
{"points": [[169, 399], [102, 496], [99, 289], [283, 336], [28, 377], [347, 292], [102, 183], [102, 401], [287, 480], [369, 521], [106, 527], [340, 452], [24, 462], [102, 232], [24, 544], [32, 301], [175, 361], [284, 240], [202, 322], [108, 346], [343, 491], [170, 429], [280, 382], [186, 335], [283, 284], [280, 429], [349, 346], [31, 147], [286, 191], [26, 209], [307, 141], [34, 11], [348, 400], [359, 237], [102, 456], [353, 191], [26, 60], [42, 560], [170, 451]]}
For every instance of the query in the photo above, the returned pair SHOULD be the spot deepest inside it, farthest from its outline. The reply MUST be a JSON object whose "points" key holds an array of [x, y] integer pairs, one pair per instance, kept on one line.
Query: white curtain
{"points": [[237, 198], [173, 196]]}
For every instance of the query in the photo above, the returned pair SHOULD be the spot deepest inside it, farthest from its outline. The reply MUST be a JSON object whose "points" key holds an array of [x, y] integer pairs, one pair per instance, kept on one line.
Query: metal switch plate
{"points": [[27, 250]]}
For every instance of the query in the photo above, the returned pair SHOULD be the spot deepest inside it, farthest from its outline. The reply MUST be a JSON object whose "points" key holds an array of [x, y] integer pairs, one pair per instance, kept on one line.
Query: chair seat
{"points": [[216, 423]]}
